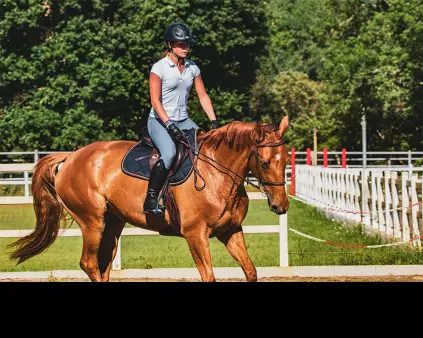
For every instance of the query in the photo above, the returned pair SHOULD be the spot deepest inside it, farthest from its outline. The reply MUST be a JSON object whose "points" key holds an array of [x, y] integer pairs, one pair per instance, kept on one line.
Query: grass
{"points": [[303, 251], [13, 217], [13, 190], [164, 252]]}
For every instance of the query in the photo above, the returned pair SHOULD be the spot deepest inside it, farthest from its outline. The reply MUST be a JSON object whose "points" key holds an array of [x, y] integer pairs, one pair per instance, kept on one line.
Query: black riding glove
{"points": [[215, 124], [175, 133]]}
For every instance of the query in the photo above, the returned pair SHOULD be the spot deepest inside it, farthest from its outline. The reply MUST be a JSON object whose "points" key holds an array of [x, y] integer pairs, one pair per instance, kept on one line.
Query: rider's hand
{"points": [[215, 124], [175, 133]]}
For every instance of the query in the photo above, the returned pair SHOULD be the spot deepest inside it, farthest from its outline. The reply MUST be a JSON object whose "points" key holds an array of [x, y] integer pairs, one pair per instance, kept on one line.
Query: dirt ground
{"points": [[411, 278]]}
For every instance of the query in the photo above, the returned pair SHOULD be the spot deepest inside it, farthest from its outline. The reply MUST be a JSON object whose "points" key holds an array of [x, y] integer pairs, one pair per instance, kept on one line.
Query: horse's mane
{"points": [[238, 134]]}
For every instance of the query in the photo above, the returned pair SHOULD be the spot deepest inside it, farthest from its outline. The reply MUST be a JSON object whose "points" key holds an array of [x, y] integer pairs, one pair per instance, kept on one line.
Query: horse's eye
{"points": [[265, 164]]}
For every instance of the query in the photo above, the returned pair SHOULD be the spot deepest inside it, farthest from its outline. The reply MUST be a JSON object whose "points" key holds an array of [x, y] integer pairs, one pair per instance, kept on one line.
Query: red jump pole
{"points": [[308, 158], [292, 187], [325, 157], [344, 158]]}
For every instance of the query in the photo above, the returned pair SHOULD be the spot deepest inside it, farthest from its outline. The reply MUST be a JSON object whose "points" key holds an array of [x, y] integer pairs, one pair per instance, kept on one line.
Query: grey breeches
{"points": [[163, 141]]}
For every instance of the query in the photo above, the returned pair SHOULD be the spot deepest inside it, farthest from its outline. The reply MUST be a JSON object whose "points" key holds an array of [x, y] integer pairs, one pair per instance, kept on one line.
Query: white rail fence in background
{"points": [[26, 180], [402, 159], [391, 203], [14, 168], [281, 228]]}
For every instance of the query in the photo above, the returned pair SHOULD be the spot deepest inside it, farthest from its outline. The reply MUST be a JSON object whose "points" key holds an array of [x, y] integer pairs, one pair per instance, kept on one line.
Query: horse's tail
{"points": [[49, 211]]}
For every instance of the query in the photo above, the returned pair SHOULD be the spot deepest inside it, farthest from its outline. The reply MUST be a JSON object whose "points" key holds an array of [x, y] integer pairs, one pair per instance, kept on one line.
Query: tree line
{"points": [[74, 72]]}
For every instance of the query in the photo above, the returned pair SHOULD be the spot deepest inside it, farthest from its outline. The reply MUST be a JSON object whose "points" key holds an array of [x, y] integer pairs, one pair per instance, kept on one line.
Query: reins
{"points": [[262, 183]]}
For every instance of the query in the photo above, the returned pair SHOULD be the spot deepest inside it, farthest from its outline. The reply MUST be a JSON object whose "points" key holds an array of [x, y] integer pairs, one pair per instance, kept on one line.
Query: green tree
{"points": [[368, 56], [302, 99], [72, 72]]}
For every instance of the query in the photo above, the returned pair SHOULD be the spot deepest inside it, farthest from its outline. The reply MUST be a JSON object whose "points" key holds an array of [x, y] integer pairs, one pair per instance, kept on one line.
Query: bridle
{"points": [[261, 182]]}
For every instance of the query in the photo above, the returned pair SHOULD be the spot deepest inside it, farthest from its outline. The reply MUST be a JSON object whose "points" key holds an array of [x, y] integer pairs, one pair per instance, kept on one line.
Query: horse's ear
{"points": [[283, 126]]}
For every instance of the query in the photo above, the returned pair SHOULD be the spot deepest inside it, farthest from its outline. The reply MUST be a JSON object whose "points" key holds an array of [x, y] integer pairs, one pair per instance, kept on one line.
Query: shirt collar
{"points": [[172, 64]]}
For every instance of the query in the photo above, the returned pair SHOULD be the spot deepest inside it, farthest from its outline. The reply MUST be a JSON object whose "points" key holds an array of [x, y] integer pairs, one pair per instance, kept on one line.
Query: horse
{"points": [[89, 185]]}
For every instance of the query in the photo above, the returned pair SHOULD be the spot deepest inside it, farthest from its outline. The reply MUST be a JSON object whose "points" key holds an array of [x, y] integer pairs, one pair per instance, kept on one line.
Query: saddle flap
{"points": [[139, 160], [154, 157], [181, 153]]}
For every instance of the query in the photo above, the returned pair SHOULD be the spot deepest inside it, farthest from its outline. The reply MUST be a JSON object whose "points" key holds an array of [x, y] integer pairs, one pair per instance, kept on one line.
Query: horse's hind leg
{"points": [[198, 244], [109, 244], [235, 243], [92, 227]]}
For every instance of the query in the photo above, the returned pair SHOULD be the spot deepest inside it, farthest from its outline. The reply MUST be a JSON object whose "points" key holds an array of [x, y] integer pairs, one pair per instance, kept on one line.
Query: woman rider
{"points": [[171, 79]]}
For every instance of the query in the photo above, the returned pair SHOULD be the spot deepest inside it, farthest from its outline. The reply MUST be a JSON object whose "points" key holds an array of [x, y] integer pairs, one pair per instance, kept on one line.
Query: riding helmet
{"points": [[178, 32]]}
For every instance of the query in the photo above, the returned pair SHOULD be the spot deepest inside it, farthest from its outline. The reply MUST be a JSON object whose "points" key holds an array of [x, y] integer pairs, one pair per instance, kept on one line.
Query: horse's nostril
{"points": [[278, 210]]}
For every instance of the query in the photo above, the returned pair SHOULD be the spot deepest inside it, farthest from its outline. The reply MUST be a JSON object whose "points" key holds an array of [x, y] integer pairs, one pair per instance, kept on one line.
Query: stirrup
{"points": [[159, 210]]}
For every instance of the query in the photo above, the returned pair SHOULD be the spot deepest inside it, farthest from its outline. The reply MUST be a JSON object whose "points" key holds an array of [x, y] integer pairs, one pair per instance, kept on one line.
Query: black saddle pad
{"points": [[137, 160]]}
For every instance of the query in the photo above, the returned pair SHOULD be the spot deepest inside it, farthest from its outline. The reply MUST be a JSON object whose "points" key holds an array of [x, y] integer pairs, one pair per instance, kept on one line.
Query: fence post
{"points": [[388, 203], [36, 156], [26, 179], [410, 165], [292, 187], [344, 158], [325, 157], [364, 174], [117, 263], [283, 240], [405, 203], [308, 157], [395, 203], [414, 210]]}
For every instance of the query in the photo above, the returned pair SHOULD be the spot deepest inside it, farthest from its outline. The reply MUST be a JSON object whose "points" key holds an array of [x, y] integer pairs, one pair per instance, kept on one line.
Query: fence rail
{"points": [[388, 202], [281, 228], [26, 180]]}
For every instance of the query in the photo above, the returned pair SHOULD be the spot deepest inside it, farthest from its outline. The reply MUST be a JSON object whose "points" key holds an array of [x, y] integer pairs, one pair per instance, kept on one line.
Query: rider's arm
{"points": [[204, 98], [155, 93]]}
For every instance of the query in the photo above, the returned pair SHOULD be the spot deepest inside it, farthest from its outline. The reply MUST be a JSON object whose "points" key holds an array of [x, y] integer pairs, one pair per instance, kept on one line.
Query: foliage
{"points": [[74, 72], [367, 54]]}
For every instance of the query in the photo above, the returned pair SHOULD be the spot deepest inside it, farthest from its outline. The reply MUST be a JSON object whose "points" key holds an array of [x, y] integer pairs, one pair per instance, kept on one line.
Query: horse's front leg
{"points": [[198, 243], [235, 243]]}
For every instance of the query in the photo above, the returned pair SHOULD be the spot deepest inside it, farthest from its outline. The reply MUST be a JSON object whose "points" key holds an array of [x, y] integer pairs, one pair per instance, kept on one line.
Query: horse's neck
{"points": [[233, 159]]}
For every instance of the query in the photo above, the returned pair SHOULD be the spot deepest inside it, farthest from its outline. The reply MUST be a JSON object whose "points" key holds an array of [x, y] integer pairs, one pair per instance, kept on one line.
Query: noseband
{"points": [[261, 182]]}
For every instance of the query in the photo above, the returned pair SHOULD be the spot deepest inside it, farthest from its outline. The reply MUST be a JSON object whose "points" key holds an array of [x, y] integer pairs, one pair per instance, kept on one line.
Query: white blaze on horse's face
{"points": [[278, 158]]}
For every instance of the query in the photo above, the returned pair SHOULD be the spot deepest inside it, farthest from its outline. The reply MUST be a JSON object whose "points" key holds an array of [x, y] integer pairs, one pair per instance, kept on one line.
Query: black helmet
{"points": [[178, 32]]}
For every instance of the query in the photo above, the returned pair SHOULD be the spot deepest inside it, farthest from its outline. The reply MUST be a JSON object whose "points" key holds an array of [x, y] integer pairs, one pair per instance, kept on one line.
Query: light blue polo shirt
{"points": [[175, 87]]}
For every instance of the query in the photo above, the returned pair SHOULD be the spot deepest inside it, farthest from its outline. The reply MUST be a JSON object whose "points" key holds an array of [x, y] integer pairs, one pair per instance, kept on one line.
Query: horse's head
{"points": [[268, 162]]}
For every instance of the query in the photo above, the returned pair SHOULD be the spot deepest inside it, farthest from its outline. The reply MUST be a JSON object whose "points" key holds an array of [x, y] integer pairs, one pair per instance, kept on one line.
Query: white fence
{"points": [[25, 168], [26, 180], [394, 159], [281, 228], [385, 201]]}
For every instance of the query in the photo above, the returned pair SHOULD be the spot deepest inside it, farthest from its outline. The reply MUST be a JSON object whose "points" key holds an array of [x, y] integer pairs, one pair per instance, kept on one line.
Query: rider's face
{"points": [[180, 48]]}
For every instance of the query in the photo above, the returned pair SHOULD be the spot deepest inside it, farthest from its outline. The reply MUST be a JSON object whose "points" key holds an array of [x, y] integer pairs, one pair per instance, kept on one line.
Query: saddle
{"points": [[140, 159]]}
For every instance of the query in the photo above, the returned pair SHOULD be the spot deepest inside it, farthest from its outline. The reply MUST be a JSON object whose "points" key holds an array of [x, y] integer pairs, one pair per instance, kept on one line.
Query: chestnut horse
{"points": [[90, 185]]}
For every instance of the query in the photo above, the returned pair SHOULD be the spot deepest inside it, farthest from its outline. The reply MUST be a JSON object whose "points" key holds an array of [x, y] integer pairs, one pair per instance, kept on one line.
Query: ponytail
{"points": [[164, 53]]}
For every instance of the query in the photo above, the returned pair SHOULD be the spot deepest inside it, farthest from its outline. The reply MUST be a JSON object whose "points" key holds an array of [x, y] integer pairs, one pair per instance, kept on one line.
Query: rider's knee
{"points": [[168, 156]]}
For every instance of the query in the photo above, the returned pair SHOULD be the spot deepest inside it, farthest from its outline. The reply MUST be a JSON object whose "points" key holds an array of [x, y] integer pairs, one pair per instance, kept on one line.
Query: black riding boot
{"points": [[158, 177]]}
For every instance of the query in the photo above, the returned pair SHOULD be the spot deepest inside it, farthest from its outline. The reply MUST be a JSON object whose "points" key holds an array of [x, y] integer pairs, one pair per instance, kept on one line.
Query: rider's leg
{"points": [[160, 170]]}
